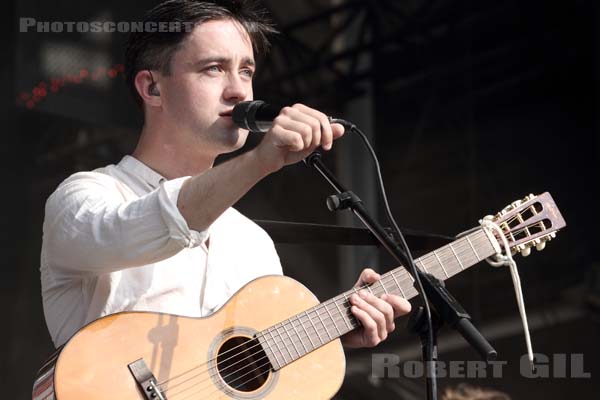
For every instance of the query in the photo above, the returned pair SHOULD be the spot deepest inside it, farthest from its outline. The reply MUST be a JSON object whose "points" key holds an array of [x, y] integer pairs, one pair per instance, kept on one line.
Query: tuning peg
{"points": [[526, 251], [553, 235], [505, 210], [516, 204], [540, 246]]}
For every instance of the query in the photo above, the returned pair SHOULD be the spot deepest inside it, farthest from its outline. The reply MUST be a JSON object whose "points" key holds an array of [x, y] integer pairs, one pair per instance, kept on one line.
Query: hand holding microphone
{"points": [[292, 133]]}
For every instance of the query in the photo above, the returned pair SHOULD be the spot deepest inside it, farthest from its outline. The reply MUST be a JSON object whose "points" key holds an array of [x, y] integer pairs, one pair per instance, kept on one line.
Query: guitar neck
{"points": [[301, 334]]}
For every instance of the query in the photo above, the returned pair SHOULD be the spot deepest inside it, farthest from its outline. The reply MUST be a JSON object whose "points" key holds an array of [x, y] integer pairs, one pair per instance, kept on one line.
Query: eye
{"points": [[213, 69], [247, 72]]}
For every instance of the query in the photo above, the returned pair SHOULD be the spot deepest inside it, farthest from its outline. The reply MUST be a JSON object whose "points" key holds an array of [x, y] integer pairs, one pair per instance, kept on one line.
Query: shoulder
{"points": [[101, 179], [80, 187]]}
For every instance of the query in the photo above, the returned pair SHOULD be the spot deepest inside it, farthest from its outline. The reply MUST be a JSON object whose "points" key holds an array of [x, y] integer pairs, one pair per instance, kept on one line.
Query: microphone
{"points": [[258, 116], [255, 116]]}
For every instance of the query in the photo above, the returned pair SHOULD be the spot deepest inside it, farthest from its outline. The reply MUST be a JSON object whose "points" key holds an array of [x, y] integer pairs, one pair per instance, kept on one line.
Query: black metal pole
{"points": [[448, 308], [356, 205], [347, 199]]}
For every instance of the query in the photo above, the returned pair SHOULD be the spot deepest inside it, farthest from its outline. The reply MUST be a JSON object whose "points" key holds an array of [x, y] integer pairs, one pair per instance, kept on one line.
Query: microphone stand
{"points": [[447, 307]]}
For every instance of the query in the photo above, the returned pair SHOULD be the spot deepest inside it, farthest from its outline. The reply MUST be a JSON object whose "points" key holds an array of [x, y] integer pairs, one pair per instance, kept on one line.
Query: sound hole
{"points": [[243, 364]]}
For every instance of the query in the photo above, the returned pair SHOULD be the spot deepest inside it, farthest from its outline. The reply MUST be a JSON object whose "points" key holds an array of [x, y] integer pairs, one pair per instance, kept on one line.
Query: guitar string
{"points": [[261, 350], [241, 376], [309, 333], [387, 277], [172, 395], [306, 334], [321, 306], [324, 306], [222, 394], [243, 383], [316, 331]]}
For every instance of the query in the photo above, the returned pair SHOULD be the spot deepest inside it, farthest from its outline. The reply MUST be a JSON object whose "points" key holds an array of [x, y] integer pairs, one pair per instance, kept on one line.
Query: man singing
{"points": [[157, 232]]}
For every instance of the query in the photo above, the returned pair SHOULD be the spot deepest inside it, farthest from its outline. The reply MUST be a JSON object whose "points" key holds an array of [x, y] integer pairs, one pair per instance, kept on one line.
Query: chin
{"points": [[233, 140]]}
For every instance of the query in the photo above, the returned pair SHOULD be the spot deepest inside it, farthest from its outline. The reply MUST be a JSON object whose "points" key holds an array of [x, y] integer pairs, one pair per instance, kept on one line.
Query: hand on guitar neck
{"points": [[376, 314]]}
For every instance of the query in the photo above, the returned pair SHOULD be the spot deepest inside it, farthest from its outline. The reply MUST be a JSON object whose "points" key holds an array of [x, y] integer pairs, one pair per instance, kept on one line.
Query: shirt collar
{"points": [[137, 168]]}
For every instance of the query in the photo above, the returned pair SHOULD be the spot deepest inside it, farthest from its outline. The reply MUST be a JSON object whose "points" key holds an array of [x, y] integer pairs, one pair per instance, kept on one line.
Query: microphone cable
{"points": [[409, 258]]}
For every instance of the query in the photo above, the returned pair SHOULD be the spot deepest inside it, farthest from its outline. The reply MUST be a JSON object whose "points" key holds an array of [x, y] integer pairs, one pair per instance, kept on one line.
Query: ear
{"points": [[149, 93]]}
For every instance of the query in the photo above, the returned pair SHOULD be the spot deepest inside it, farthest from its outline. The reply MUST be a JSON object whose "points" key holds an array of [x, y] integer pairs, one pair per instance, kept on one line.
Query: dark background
{"points": [[470, 105]]}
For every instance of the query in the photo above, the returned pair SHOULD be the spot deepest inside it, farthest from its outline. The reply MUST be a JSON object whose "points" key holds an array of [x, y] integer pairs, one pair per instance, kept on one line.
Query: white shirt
{"points": [[114, 240]]}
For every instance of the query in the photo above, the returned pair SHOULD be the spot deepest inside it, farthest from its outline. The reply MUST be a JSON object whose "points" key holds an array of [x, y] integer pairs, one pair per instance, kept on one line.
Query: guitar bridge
{"points": [[146, 380]]}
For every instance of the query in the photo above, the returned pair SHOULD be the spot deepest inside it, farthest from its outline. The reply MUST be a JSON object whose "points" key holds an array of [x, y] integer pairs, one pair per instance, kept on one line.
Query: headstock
{"points": [[530, 222]]}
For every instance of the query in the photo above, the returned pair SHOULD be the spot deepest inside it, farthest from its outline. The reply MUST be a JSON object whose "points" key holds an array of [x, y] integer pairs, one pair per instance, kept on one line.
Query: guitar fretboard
{"points": [[291, 339]]}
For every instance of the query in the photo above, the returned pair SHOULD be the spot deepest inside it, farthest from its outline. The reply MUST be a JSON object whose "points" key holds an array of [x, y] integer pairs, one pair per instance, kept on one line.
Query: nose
{"points": [[235, 88]]}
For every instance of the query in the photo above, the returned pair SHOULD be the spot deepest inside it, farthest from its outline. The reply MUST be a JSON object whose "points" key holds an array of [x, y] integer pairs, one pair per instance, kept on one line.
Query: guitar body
{"points": [[94, 363]]}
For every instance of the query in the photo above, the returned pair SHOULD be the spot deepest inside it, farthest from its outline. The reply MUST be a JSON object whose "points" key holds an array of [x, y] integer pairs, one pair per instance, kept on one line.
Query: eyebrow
{"points": [[223, 60]]}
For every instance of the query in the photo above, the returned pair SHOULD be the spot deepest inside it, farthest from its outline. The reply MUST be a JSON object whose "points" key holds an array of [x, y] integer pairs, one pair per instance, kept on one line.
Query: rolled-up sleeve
{"points": [[93, 225]]}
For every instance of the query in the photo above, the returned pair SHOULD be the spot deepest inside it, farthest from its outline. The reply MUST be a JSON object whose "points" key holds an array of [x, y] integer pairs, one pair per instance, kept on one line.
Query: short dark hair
{"points": [[154, 50]]}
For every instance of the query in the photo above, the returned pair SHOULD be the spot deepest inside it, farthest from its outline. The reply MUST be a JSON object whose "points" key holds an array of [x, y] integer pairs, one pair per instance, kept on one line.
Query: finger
{"points": [[302, 129], [383, 307], [326, 135], [337, 130], [325, 125], [287, 138], [373, 313], [400, 305], [367, 276], [369, 326], [298, 113]]}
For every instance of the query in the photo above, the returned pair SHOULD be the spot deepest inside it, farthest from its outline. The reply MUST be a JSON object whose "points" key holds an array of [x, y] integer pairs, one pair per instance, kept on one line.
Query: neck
{"points": [[167, 152], [289, 340]]}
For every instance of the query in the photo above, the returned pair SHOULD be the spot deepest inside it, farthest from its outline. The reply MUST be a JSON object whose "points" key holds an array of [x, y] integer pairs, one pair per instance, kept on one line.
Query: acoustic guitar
{"points": [[272, 340]]}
